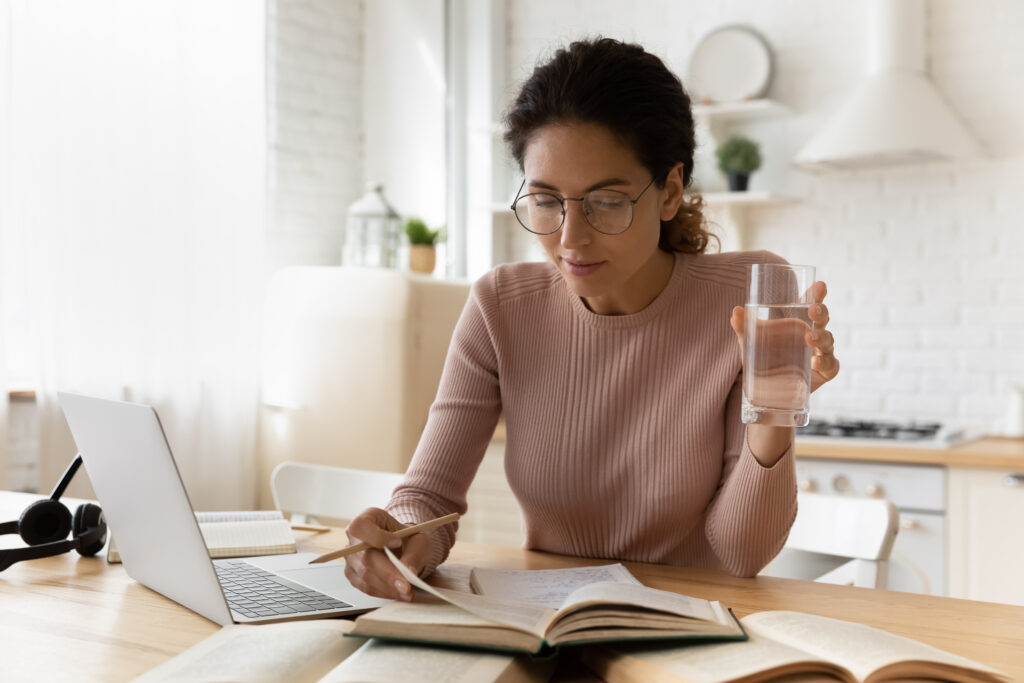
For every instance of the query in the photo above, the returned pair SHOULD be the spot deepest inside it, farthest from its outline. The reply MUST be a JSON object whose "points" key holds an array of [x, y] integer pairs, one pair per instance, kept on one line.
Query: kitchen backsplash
{"points": [[925, 264]]}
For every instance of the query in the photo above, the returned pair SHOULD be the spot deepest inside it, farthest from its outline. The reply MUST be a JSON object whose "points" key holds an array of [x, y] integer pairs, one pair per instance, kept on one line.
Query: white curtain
{"points": [[136, 228]]}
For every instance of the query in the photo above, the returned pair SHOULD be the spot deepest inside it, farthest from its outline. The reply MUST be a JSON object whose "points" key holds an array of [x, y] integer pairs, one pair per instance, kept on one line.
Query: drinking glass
{"points": [[776, 357]]}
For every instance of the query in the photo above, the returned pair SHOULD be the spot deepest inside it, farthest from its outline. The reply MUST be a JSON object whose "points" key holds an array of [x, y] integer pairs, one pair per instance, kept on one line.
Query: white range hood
{"points": [[896, 115]]}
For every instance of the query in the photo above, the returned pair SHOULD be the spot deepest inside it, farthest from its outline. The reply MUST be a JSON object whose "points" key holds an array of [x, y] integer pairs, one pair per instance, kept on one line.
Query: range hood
{"points": [[896, 115]]}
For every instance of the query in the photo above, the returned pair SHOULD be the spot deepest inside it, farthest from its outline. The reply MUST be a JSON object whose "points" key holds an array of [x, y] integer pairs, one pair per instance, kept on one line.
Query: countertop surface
{"points": [[989, 452]]}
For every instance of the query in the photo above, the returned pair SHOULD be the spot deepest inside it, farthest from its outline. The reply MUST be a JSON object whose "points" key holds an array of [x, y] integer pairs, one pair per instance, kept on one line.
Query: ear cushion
{"points": [[44, 521], [90, 527]]}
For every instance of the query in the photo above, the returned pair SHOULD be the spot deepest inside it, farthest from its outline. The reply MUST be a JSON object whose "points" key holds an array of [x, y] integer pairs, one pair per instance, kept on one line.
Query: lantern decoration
{"points": [[372, 231]]}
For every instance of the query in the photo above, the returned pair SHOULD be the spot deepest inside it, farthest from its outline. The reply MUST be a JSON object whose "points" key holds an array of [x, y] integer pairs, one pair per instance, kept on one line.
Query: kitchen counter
{"points": [[990, 452]]}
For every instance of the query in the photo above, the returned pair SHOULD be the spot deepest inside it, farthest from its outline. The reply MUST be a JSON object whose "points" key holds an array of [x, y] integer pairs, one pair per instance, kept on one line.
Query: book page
{"points": [[549, 587], [861, 649], [642, 596], [238, 516], [522, 616], [715, 663], [297, 651], [390, 662], [248, 538]]}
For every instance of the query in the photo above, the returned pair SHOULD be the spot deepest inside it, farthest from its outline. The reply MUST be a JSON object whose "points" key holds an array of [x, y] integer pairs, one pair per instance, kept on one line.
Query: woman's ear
{"points": [[672, 193]]}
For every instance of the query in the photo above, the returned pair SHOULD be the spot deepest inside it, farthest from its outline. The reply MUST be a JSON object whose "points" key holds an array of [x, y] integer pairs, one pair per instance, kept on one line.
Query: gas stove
{"points": [[879, 433]]}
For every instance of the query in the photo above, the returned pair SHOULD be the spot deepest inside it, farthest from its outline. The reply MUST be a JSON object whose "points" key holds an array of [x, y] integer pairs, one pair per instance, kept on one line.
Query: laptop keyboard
{"points": [[255, 592]]}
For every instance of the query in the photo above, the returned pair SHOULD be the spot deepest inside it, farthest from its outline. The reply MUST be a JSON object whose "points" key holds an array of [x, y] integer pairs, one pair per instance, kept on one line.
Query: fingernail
{"points": [[395, 543], [402, 587]]}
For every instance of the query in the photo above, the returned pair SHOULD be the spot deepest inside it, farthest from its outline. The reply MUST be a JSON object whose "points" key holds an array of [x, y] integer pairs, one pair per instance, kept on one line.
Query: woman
{"points": [[614, 365]]}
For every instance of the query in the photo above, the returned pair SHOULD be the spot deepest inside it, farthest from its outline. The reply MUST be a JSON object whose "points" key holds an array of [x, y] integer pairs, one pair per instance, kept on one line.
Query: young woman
{"points": [[616, 364]]}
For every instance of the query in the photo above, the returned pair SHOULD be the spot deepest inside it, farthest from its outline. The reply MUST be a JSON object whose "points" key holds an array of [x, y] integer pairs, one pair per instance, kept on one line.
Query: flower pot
{"points": [[422, 258], [738, 182]]}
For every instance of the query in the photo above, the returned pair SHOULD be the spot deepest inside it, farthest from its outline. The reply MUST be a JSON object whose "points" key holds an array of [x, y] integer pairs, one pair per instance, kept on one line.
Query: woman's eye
{"points": [[545, 202]]}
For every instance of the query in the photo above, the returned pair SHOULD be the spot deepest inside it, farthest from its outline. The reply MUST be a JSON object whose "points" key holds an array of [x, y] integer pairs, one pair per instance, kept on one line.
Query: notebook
{"points": [[241, 533]]}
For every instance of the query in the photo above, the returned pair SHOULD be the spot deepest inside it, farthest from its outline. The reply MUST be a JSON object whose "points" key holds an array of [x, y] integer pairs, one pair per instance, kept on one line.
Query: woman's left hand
{"points": [[824, 364]]}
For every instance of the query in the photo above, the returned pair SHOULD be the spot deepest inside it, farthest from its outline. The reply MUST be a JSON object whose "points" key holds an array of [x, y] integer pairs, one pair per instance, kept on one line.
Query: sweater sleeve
{"points": [[459, 426], [750, 517]]}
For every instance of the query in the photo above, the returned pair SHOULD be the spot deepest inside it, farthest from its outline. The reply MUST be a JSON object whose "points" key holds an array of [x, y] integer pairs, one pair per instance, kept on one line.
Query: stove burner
{"points": [[869, 429]]}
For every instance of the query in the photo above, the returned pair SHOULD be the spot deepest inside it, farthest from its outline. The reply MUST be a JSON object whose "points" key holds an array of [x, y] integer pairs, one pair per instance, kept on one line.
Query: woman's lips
{"points": [[581, 268]]}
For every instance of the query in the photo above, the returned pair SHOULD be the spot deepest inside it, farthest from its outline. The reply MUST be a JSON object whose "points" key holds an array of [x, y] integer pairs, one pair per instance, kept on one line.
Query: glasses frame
{"points": [[563, 200]]}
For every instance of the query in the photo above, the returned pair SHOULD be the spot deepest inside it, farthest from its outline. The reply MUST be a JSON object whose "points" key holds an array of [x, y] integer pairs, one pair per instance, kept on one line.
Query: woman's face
{"points": [[614, 274]]}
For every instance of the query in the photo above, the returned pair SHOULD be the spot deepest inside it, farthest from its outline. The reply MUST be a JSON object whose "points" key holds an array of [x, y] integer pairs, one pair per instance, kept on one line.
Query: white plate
{"points": [[730, 64]]}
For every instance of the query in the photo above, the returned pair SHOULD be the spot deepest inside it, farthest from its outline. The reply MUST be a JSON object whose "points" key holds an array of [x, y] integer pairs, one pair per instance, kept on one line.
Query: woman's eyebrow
{"points": [[596, 186]]}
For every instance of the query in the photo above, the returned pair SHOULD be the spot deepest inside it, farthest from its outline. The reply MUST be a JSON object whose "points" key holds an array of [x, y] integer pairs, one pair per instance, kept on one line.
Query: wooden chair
{"points": [[310, 492], [840, 540]]}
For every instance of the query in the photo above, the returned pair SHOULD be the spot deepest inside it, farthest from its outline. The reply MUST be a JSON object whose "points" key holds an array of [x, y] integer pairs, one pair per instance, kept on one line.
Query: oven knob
{"points": [[874, 490], [808, 485], [840, 483]]}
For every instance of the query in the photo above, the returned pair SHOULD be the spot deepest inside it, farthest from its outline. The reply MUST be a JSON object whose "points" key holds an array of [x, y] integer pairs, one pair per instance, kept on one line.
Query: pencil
{"points": [[401, 533]]}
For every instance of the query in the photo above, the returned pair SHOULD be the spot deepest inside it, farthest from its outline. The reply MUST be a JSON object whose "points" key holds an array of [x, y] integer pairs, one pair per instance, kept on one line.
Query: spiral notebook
{"points": [[244, 533]]}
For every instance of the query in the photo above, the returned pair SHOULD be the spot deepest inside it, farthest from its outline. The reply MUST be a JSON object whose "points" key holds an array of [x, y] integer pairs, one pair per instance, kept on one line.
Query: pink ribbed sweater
{"points": [[624, 438]]}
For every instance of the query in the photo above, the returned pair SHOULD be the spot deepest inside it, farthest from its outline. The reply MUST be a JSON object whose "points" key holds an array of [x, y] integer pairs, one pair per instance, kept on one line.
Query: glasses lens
{"points": [[609, 211], [539, 213]]}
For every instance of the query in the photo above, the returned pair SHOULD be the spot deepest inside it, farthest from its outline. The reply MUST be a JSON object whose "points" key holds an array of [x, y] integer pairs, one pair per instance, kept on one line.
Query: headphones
{"points": [[45, 524]]}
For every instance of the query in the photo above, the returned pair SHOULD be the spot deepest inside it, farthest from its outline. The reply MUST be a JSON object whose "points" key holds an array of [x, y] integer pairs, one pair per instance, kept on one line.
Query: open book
{"points": [[602, 611], [789, 644], [307, 651], [245, 533]]}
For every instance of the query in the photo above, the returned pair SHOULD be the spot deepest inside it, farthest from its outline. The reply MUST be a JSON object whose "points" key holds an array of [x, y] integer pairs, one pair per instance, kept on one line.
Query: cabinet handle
{"points": [[1013, 480], [910, 524]]}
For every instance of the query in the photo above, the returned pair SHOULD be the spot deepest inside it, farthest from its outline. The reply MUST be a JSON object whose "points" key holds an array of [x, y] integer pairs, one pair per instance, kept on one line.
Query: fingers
{"points": [[818, 313], [370, 570], [818, 291], [826, 366], [375, 527], [737, 321]]}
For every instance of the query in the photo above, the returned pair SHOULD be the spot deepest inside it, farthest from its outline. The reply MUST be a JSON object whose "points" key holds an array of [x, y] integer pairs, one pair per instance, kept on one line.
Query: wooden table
{"points": [[68, 618]]}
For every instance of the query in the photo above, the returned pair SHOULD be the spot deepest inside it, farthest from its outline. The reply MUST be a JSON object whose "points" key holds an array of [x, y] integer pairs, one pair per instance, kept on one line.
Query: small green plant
{"points": [[419, 233], [738, 155]]}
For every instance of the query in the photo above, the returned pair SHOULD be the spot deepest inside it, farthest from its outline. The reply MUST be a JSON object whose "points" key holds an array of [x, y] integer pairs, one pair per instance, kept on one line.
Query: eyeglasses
{"points": [[610, 212]]}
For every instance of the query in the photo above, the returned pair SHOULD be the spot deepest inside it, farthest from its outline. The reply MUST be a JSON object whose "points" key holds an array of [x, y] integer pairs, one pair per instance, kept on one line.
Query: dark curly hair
{"points": [[632, 93]]}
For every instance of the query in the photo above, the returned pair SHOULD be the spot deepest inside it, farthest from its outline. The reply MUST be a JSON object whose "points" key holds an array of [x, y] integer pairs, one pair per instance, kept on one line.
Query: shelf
{"points": [[741, 111], [742, 199]]}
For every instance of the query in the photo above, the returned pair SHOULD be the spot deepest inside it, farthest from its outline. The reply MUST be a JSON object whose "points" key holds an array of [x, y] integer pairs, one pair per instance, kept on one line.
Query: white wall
{"points": [[315, 55], [925, 264], [404, 105]]}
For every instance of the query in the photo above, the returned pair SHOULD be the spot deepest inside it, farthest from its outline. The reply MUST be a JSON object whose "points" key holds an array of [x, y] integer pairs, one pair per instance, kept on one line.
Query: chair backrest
{"points": [[313, 491], [839, 539]]}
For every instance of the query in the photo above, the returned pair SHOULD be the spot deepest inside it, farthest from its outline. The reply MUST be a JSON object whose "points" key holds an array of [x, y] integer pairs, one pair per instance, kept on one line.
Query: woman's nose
{"points": [[576, 231]]}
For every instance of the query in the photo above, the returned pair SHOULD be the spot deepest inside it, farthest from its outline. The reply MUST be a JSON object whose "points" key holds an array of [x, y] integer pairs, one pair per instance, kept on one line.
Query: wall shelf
{"points": [[747, 110]]}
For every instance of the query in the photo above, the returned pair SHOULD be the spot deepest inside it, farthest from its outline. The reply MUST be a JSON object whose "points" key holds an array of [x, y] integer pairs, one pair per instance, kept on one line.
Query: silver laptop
{"points": [[147, 508]]}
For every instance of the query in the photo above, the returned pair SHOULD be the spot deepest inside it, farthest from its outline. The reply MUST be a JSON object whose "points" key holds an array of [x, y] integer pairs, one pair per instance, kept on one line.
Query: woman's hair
{"points": [[633, 94]]}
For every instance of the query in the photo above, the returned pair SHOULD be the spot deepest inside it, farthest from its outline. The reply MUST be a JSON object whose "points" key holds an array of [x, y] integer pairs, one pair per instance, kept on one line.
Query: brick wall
{"points": [[925, 264], [315, 121]]}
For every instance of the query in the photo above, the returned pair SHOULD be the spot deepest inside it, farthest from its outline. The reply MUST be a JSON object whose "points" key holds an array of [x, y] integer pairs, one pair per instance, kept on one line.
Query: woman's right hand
{"points": [[370, 570]]}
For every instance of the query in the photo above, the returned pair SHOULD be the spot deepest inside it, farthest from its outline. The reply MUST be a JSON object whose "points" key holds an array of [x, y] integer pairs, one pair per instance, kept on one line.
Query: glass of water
{"points": [[776, 357]]}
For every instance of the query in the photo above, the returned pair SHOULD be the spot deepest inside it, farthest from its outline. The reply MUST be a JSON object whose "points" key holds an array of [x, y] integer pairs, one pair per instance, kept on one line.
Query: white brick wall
{"points": [[925, 264], [315, 60]]}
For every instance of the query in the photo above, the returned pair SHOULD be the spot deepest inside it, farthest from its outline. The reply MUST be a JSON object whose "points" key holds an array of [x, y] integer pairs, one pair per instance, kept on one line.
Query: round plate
{"points": [[730, 64]]}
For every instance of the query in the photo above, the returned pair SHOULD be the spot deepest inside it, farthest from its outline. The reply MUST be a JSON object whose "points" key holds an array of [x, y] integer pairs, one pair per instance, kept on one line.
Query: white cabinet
{"points": [[986, 534]]}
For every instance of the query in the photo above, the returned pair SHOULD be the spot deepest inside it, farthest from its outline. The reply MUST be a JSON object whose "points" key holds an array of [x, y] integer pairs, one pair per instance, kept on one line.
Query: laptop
{"points": [[147, 508]]}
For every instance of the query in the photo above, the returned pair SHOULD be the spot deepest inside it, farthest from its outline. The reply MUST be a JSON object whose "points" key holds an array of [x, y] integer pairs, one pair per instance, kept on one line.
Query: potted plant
{"points": [[422, 245], [738, 157]]}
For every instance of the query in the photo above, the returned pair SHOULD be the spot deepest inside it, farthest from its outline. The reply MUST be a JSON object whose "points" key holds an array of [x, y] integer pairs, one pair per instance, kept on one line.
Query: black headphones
{"points": [[45, 524]]}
